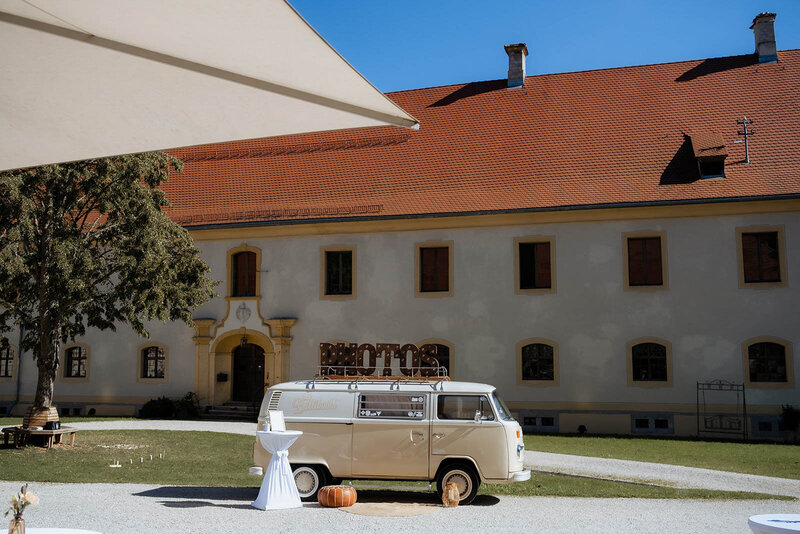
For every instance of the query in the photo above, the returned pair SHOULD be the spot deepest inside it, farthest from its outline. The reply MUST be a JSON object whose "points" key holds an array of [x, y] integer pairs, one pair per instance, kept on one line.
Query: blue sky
{"points": [[407, 44]]}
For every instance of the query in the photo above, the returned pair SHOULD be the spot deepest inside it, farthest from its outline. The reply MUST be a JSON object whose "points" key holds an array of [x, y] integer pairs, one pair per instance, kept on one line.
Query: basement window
{"points": [[766, 426], [652, 424], [538, 422]]}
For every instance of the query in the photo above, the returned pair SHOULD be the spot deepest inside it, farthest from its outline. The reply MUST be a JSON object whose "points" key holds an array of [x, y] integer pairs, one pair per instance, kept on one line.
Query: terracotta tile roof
{"points": [[574, 139], [707, 144]]}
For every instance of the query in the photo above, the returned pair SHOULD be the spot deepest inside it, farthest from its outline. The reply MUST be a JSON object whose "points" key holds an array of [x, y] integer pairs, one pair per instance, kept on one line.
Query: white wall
{"points": [[703, 313], [113, 369]]}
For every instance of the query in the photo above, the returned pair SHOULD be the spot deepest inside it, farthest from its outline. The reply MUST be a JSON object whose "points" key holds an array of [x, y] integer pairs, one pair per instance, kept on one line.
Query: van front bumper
{"points": [[522, 476]]}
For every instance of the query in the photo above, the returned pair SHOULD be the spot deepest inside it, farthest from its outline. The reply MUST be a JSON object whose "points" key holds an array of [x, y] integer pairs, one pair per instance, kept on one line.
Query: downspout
{"points": [[18, 369]]}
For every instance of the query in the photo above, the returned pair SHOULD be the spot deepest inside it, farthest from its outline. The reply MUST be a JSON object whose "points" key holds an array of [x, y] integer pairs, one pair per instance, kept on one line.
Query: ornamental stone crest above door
{"points": [[243, 313]]}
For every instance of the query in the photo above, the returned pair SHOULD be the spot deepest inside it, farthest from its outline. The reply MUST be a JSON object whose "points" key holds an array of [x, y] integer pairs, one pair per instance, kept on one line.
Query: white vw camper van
{"points": [[404, 429]]}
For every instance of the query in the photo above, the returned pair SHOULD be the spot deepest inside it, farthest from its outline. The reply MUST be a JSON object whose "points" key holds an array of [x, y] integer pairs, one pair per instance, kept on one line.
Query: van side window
{"points": [[463, 407], [378, 406]]}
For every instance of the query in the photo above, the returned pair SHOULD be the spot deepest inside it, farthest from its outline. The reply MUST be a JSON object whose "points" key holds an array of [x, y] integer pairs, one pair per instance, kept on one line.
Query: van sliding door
{"points": [[391, 435]]}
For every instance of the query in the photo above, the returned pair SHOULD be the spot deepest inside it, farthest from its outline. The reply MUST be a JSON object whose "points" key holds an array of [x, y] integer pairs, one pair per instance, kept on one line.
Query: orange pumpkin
{"points": [[337, 496]]}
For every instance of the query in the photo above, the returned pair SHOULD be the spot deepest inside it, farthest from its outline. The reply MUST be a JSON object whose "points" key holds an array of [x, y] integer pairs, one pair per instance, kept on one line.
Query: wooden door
{"points": [[248, 374]]}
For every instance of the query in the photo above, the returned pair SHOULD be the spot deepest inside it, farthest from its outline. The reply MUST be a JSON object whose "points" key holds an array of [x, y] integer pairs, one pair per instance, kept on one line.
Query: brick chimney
{"points": [[764, 30], [516, 64]]}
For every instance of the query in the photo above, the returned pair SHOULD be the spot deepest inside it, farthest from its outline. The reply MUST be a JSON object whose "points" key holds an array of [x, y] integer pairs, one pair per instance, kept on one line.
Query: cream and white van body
{"points": [[399, 430]]}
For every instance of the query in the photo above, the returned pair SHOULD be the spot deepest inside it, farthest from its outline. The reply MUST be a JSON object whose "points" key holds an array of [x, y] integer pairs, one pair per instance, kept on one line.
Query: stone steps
{"points": [[231, 411]]}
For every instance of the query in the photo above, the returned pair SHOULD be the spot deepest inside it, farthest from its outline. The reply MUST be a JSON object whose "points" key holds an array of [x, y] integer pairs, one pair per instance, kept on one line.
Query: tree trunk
{"points": [[44, 386], [47, 351], [47, 362]]}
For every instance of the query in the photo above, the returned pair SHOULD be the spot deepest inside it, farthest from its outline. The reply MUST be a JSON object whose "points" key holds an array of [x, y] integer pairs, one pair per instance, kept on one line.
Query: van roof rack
{"points": [[350, 374]]}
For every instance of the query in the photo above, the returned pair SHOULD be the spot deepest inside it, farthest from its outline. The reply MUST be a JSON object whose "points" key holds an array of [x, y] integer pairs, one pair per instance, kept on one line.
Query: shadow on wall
{"points": [[717, 64], [470, 89]]}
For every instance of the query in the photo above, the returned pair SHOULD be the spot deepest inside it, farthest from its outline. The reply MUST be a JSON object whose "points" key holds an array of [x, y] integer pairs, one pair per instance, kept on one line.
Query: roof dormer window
{"points": [[710, 153], [711, 168]]}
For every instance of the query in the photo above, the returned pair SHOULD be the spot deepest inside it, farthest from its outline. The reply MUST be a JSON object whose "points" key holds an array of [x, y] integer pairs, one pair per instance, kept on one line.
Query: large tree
{"points": [[87, 245]]}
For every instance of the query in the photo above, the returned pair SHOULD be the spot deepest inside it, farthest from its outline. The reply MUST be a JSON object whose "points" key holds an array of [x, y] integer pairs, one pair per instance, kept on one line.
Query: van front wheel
{"points": [[464, 477], [309, 479]]}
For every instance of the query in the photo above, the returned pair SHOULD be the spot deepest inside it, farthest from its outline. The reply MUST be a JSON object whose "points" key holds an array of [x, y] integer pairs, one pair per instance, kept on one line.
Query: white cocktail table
{"points": [[278, 489], [769, 523]]}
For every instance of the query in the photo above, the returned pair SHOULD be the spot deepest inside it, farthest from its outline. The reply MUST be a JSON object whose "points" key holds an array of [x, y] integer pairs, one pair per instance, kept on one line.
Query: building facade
{"points": [[593, 244]]}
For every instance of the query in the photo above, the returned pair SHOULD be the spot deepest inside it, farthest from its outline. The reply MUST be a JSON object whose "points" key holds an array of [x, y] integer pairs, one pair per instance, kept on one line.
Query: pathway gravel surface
{"points": [[144, 509]]}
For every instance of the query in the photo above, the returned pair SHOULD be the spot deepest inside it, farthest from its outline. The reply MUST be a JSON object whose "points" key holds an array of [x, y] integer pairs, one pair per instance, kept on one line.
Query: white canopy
{"points": [[90, 78]]}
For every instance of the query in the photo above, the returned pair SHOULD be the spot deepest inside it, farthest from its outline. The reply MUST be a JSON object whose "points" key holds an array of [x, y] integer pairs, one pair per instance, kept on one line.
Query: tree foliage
{"points": [[87, 244]]}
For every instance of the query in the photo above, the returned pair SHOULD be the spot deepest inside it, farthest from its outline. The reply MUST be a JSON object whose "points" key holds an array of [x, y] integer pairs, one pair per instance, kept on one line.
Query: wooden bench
{"points": [[21, 435]]}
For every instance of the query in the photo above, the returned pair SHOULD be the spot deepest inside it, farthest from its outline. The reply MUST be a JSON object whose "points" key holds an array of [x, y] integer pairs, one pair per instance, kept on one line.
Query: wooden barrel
{"points": [[337, 496], [39, 417]]}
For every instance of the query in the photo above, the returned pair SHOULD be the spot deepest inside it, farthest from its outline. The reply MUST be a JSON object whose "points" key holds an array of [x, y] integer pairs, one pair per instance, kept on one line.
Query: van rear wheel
{"points": [[309, 479], [464, 477]]}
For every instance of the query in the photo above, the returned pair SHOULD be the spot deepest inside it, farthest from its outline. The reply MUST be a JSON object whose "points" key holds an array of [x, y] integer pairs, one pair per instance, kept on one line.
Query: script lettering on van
{"points": [[352, 359], [306, 403]]}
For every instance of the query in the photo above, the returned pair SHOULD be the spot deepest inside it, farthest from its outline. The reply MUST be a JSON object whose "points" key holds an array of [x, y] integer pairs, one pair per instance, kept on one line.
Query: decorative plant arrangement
{"points": [[18, 503]]}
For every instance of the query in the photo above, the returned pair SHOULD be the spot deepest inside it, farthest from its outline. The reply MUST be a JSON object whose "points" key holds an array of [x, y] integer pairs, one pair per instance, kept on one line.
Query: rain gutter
{"points": [[579, 207]]}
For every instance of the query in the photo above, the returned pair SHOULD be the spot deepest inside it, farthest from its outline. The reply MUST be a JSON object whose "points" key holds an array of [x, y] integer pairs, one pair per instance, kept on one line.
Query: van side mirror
{"points": [[478, 416]]}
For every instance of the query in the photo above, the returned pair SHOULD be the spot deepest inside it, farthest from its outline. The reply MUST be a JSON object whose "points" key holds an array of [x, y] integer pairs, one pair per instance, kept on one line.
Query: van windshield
{"points": [[502, 409]]}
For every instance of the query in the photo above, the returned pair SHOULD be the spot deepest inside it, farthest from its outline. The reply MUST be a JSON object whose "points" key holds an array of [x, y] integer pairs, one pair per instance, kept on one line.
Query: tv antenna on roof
{"points": [[746, 122]]}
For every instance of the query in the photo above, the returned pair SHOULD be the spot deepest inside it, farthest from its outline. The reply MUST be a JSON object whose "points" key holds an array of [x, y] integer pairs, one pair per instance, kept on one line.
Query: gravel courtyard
{"points": [[143, 508]]}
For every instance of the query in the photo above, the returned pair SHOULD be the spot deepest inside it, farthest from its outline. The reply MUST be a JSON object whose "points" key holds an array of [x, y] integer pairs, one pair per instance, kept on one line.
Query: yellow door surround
{"points": [[214, 355]]}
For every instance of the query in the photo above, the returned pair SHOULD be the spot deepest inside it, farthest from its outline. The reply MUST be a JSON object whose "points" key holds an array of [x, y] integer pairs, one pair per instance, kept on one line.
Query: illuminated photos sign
{"points": [[354, 359]]}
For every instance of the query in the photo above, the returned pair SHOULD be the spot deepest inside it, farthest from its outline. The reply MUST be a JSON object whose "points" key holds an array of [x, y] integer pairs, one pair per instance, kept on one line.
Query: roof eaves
{"points": [[578, 207]]}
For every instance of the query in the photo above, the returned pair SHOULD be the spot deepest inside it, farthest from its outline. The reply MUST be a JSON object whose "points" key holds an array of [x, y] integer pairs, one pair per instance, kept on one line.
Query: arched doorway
{"points": [[248, 374], [220, 366]]}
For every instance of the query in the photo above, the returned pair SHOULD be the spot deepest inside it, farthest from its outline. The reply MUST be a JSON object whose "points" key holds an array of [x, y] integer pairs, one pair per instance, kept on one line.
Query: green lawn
{"points": [[546, 485], [768, 459], [189, 458], [216, 459]]}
